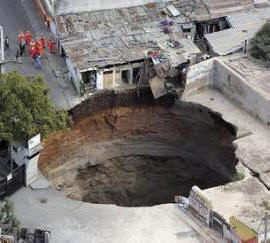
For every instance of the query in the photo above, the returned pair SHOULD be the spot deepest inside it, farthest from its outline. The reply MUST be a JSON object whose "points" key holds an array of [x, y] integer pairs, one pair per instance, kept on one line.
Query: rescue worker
{"points": [[43, 41], [28, 38], [32, 44], [33, 52], [21, 37], [39, 47]]}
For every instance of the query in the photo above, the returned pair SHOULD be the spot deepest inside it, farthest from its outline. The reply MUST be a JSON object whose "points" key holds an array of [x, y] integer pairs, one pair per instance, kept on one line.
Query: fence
{"points": [[12, 182]]}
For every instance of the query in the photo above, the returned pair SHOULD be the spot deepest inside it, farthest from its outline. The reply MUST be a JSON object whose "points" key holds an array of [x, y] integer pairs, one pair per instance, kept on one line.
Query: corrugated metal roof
{"points": [[174, 12], [111, 37], [231, 40], [244, 27], [244, 19], [219, 8]]}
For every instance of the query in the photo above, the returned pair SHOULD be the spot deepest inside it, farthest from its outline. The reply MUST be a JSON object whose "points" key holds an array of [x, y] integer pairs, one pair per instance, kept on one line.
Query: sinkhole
{"points": [[141, 156]]}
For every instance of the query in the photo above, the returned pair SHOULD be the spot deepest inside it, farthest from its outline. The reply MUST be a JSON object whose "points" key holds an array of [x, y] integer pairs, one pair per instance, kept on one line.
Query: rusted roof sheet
{"points": [[111, 37]]}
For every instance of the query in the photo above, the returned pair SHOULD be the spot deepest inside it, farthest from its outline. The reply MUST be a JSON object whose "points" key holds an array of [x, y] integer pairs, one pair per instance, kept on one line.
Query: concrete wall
{"points": [[73, 75], [99, 80], [31, 165], [31, 170], [199, 76], [238, 89], [213, 73]]}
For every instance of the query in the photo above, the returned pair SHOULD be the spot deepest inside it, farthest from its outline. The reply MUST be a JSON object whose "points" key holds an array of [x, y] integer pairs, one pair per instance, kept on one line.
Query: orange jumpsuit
{"points": [[31, 44], [39, 47], [33, 50], [28, 38], [21, 37]]}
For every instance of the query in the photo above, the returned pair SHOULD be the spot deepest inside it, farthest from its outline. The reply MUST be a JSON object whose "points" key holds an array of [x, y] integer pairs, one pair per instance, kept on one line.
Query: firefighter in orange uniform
{"points": [[21, 37], [28, 38], [39, 48], [33, 51], [31, 44]]}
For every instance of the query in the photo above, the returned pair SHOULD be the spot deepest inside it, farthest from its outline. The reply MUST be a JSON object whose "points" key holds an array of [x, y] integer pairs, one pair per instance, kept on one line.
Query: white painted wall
{"points": [[238, 89], [99, 80], [217, 75], [23, 155], [73, 75], [31, 170]]}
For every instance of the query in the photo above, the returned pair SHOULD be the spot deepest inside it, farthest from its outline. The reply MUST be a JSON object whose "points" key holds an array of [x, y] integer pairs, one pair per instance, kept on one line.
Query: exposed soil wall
{"points": [[139, 155], [107, 99]]}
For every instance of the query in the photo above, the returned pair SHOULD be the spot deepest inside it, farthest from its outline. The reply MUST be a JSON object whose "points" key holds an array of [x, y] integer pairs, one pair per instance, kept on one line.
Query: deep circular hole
{"points": [[142, 156]]}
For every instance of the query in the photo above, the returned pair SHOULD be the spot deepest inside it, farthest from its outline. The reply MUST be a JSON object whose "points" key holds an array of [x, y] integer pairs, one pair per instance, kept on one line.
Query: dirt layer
{"points": [[141, 156]]}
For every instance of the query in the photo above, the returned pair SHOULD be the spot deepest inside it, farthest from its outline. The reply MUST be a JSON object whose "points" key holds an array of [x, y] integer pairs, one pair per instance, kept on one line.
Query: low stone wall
{"points": [[214, 73], [236, 87], [199, 76]]}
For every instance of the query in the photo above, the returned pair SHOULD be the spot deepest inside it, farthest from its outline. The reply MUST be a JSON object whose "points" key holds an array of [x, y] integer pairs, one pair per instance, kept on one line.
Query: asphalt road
{"points": [[22, 15], [13, 18]]}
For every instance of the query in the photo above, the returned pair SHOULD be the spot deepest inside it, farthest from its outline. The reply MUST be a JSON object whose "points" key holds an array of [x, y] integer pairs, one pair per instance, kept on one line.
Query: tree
{"points": [[25, 109], [9, 223], [261, 44]]}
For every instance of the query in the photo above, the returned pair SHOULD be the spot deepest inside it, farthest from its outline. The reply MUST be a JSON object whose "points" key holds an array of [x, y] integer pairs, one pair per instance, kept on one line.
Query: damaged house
{"points": [[107, 49]]}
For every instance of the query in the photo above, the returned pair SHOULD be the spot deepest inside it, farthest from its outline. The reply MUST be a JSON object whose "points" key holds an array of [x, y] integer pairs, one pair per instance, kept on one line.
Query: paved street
{"points": [[76, 221], [22, 15]]}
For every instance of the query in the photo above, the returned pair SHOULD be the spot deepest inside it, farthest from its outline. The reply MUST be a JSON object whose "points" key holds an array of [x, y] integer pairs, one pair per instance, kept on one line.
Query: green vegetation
{"points": [[238, 177], [261, 44], [25, 109], [9, 223]]}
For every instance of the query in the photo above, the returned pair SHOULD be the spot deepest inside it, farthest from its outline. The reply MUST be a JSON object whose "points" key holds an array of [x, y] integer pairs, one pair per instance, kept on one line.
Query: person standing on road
{"points": [[18, 57], [37, 62], [33, 51], [31, 45], [23, 46], [28, 38], [39, 47], [6, 43], [21, 37]]}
